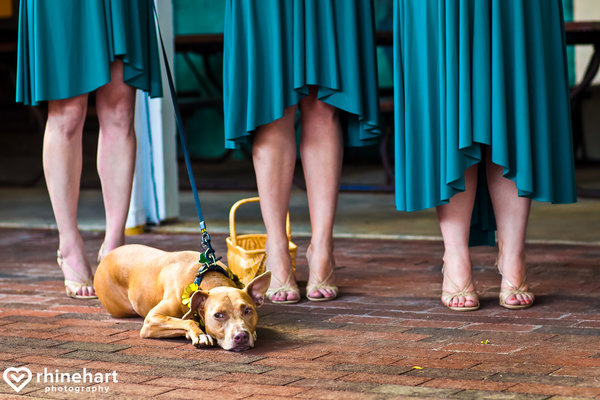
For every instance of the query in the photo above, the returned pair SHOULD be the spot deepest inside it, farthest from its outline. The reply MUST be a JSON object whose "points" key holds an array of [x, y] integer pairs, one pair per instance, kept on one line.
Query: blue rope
{"points": [[209, 252]]}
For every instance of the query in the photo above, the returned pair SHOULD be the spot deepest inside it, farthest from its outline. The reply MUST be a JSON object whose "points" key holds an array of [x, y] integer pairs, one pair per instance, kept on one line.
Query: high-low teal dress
{"points": [[66, 47], [275, 50], [475, 73]]}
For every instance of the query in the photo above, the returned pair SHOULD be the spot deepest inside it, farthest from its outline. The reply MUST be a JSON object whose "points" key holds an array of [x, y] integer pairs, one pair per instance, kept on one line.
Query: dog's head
{"points": [[229, 314]]}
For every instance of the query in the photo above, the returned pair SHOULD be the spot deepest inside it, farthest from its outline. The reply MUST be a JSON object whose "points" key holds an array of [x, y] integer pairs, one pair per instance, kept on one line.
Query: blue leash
{"points": [[209, 253]]}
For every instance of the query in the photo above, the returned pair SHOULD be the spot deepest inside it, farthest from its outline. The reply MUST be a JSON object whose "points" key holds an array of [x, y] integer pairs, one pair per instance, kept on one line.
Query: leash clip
{"points": [[209, 252]]}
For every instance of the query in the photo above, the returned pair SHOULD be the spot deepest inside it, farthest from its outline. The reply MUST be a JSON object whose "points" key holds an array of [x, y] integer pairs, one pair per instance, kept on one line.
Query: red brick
{"points": [[384, 379], [248, 388], [29, 333], [355, 358], [550, 390], [239, 378], [53, 361], [89, 331], [147, 342], [423, 323], [119, 367], [415, 351], [481, 348], [294, 363], [28, 313], [32, 299], [300, 353], [579, 371], [311, 373], [139, 390], [516, 367], [448, 362], [80, 309], [73, 337], [331, 332], [324, 394], [469, 384], [500, 327], [206, 394], [362, 320]]}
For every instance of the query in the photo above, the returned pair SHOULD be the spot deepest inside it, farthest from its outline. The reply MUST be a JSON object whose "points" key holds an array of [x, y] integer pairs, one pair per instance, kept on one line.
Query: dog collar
{"points": [[195, 286]]}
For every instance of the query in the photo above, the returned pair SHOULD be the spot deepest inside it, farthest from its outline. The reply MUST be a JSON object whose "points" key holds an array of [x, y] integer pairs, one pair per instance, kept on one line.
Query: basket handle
{"points": [[232, 230]]}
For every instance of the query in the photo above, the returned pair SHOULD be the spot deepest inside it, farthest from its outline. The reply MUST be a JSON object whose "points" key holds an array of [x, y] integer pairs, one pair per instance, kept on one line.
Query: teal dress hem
{"points": [[61, 61], [274, 51]]}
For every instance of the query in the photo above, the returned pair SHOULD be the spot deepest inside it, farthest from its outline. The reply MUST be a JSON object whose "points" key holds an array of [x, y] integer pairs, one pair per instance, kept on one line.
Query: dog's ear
{"points": [[257, 288], [196, 302]]}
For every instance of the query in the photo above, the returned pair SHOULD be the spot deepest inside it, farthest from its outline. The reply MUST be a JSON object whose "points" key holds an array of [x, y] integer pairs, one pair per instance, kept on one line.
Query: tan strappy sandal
{"points": [[321, 285], [71, 287], [448, 296], [286, 288], [506, 293]]}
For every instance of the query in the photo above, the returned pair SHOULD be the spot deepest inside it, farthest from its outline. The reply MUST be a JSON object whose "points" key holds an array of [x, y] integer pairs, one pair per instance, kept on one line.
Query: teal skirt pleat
{"points": [[475, 73], [66, 47], [275, 50]]}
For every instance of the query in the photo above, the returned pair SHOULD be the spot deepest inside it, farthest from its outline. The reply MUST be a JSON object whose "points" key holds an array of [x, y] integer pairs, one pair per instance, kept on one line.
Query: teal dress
{"points": [[66, 47], [475, 73], [274, 50]]}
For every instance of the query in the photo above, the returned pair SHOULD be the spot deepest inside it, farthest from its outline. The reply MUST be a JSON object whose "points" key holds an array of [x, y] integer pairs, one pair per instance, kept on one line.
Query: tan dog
{"points": [[140, 280]]}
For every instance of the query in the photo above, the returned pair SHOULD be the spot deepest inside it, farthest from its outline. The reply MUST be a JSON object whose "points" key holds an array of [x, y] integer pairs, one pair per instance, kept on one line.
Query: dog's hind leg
{"points": [[158, 324]]}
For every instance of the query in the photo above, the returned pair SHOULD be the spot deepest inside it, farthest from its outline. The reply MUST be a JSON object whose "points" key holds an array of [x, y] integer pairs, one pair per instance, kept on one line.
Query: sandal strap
{"points": [[322, 284], [286, 287], [64, 265], [448, 296], [506, 293]]}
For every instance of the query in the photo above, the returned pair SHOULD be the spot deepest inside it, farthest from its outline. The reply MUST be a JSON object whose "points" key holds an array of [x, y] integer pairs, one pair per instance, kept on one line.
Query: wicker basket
{"points": [[246, 253]]}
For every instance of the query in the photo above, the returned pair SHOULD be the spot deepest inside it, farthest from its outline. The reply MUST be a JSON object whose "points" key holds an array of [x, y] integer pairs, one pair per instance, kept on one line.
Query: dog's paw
{"points": [[203, 340]]}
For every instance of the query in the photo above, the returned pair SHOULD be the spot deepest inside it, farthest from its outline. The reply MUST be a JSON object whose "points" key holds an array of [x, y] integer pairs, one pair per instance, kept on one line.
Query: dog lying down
{"points": [[141, 280]]}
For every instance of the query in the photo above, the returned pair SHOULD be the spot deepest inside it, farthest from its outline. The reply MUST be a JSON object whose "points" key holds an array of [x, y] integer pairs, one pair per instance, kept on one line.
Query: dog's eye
{"points": [[218, 315], [247, 310]]}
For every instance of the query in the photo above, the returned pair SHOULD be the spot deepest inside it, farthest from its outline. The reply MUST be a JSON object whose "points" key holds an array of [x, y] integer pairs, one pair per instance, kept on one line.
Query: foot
{"points": [[514, 293], [458, 292], [321, 283], [77, 273], [284, 288]]}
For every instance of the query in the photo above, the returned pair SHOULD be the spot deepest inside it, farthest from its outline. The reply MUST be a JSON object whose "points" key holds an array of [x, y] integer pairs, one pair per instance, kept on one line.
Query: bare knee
{"points": [[66, 117], [117, 119]]}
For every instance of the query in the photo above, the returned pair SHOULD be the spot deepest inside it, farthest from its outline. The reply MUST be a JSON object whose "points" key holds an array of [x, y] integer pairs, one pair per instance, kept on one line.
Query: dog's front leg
{"points": [[158, 324]]}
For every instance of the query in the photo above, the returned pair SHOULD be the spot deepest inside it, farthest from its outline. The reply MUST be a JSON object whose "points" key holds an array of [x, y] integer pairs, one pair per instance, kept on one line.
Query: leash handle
{"points": [[206, 245]]}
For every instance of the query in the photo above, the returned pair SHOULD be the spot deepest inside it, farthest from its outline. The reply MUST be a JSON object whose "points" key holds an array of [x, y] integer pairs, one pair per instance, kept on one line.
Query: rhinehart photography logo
{"points": [[71, 382], [17, 378]]}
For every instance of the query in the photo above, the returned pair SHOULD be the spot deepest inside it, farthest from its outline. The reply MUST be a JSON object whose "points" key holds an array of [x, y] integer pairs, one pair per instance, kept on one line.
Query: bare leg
{"points": [[322, 152], [115, 102], [455, 221], [512, 214], [274, 156], [62, 157]]}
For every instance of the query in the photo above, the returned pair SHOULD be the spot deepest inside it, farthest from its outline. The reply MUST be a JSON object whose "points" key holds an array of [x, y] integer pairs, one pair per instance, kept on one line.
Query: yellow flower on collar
{"points": [[188, 292]]}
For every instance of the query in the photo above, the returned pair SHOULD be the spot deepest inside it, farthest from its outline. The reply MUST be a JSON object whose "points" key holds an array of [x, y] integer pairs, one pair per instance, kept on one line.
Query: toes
{"points": [[469, 302], [291, 296]]}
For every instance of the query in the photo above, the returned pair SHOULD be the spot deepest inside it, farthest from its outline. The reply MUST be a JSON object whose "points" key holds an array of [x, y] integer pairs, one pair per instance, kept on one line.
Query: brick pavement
{"points": [[366, 345]]}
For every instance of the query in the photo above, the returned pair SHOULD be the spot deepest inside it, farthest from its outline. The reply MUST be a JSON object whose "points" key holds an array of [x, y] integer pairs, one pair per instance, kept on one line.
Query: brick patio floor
{"points": [[387, 336]]}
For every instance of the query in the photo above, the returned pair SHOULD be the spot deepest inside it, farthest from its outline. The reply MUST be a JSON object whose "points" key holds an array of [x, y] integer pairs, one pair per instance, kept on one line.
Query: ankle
{"points": [[112, 242]]}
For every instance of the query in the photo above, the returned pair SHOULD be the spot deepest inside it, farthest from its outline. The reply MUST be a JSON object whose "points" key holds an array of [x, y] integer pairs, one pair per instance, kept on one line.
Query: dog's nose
{"points": [[241, 337]]}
